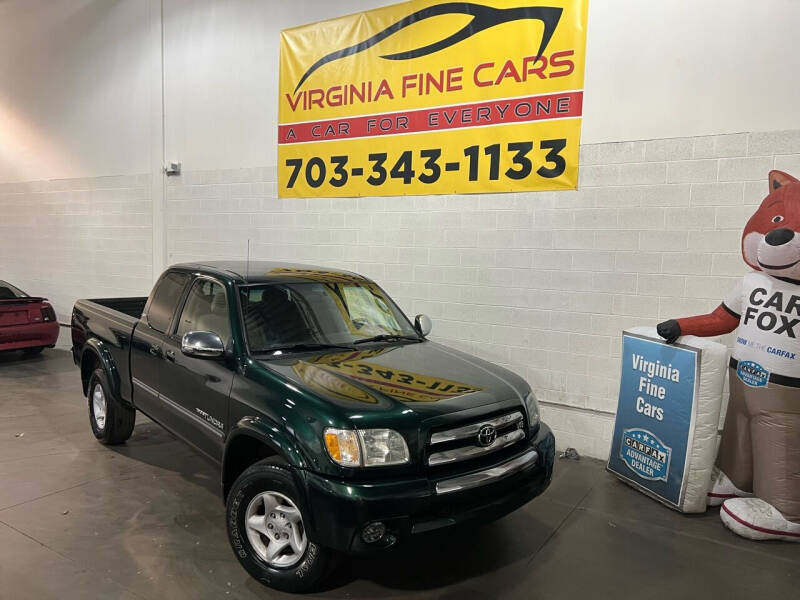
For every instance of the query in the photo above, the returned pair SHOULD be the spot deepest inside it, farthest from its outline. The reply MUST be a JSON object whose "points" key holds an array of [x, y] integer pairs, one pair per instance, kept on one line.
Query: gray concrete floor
{"points": [[143, 520]]}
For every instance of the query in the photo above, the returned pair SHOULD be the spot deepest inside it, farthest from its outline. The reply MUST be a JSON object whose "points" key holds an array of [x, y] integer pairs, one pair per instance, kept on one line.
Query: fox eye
{"points": [[777, 219]]}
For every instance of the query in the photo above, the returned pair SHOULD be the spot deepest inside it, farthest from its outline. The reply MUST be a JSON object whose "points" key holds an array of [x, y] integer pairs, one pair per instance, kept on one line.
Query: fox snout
{"points": [[776, 253], [779, 237]]}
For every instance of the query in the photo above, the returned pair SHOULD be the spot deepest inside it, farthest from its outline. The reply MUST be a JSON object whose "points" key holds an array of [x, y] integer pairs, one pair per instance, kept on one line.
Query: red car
{"points": [[27, 323]]}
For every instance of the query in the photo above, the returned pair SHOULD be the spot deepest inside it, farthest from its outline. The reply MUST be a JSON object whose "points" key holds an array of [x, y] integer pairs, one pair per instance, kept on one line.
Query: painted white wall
{"points": [[654, 70], [690, 67], [76, 77], [74, 88], [221, 76]]}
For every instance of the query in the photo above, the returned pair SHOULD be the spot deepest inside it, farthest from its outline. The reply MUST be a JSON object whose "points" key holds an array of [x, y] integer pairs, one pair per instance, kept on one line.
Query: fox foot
{"points": [[754, 519], [722, 488]]}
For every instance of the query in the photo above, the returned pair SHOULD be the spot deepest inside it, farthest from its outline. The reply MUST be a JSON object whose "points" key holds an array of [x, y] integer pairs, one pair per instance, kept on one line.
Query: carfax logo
{"points": [[752, 373], [645, 454]]}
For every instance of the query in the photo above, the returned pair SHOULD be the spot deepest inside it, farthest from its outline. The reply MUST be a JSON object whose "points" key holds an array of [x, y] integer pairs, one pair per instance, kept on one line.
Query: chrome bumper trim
{"points": [[480, 478], [448, 456]]}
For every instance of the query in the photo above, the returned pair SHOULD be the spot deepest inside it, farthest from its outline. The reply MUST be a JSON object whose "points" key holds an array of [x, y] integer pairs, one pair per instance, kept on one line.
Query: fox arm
{"points": [[721, 321]]}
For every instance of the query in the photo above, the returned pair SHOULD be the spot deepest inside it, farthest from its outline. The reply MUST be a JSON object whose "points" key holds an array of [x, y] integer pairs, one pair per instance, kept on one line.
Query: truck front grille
{"points": [[475, 439]]}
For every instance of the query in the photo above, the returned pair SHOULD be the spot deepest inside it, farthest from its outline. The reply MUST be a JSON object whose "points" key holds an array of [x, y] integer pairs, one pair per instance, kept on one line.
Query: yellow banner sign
{"points": [[432, 97]]}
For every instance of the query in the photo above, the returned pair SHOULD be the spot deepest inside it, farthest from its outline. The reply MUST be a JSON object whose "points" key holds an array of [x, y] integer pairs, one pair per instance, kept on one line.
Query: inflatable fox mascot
{"points": [[757, 476]]}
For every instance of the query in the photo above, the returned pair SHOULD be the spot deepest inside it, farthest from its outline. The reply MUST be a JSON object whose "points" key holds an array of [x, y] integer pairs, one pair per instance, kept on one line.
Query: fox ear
{"points": [[779, 178]]}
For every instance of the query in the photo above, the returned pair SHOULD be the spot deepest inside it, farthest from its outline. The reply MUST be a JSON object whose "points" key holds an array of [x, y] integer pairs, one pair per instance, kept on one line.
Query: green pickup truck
{"points": [[337, 425]]}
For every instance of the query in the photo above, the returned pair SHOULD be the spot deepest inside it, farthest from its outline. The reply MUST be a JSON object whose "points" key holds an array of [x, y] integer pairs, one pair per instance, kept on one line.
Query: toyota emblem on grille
{"points": [[486, 435]]}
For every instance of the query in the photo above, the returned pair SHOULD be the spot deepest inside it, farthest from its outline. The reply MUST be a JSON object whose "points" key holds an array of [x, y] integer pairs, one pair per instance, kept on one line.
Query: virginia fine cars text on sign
{"points": [[657, 404], [429, 97]]}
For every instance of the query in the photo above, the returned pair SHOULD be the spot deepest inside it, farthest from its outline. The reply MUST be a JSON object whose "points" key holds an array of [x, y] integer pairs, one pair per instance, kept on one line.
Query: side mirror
{"points": [[423, 325], [202, 344]]}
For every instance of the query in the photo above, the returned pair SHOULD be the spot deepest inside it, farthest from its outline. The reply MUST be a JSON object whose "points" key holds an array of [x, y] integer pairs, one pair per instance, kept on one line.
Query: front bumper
{"points": [[29, 335], [340, 509]]}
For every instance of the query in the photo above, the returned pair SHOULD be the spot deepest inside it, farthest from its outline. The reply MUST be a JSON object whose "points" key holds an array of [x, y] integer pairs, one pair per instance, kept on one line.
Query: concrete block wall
{"points": [[542, 283], [77, 238]]}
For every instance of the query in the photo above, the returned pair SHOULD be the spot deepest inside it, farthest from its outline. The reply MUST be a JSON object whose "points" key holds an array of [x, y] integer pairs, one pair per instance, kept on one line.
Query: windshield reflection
{"points": [[301, 316]]}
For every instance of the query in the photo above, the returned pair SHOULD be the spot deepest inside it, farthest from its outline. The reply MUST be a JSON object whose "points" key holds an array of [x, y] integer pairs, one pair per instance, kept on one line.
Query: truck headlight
{"points": [[366, 447], [533, 409], [383, 447]]}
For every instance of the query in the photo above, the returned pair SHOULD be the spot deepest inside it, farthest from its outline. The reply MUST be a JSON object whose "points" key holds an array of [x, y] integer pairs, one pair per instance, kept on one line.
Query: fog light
{"points": [[373, 532]]}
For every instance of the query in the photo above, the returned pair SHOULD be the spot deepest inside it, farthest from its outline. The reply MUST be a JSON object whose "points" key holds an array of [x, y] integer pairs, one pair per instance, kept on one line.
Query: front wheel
{"points": [[266, 528], [35, 351]]}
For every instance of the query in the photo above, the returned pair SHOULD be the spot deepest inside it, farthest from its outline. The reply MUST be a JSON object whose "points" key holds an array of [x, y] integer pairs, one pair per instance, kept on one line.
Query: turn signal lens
{"points": [[342, 446]]}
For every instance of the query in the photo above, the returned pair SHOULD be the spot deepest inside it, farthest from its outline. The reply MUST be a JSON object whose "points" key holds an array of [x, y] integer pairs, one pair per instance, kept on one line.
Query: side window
{"points": [[206, 309], [165, 298]]}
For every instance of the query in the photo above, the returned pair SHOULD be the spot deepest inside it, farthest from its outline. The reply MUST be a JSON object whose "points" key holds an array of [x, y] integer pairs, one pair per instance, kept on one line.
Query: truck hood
{"points": [[426, 378]]}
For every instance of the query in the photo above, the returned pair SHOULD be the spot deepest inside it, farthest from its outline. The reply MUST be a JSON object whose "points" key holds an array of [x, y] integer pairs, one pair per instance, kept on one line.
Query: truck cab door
{"points": [[148, 342], [198, 389]]}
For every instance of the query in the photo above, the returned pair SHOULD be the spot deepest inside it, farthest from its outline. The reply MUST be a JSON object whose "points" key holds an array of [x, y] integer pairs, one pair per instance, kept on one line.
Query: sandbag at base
{"points": [[665, 435]]}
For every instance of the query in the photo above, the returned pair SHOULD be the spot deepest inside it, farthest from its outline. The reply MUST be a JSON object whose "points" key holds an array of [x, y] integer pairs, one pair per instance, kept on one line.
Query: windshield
{"points": [[280, 316]]}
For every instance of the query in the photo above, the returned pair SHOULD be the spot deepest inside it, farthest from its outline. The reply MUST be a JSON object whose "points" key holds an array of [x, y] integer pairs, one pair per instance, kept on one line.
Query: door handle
{"points": [[155, 350], [169, 355]]}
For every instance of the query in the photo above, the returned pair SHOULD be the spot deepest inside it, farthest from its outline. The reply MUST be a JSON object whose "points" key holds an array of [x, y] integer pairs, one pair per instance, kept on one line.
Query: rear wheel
{"points": [[112, 421], [266, 528], [33, 351]]}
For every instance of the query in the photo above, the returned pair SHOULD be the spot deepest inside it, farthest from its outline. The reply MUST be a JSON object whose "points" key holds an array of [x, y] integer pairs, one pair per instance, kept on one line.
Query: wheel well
{"points": [[89, 363], [243, 451]]}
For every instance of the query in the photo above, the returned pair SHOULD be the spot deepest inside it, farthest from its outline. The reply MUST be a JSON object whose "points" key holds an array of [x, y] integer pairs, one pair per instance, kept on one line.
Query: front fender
{"points": [[95, 349], [270, 434], [251, 435]]}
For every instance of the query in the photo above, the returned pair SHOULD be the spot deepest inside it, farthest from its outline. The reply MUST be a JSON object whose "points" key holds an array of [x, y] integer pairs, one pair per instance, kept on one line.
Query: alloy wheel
{"points": [[99, 406], [275, 529]]}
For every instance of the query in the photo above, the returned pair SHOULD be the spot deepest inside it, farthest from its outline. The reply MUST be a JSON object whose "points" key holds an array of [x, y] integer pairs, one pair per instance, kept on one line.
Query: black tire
{"points": [[36, 351], [119, 419], [263, 476]]}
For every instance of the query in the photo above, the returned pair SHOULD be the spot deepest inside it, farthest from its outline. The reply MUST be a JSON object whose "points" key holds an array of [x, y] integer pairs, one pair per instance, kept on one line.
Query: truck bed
{"points": [[110, 321], [133, 307]]}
